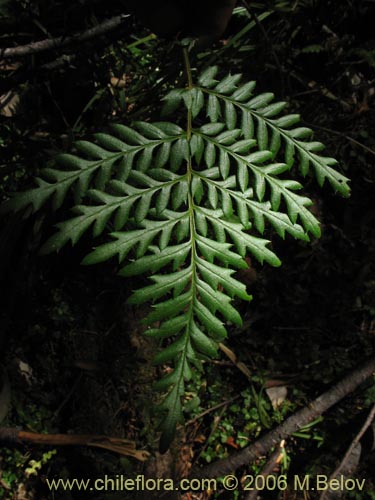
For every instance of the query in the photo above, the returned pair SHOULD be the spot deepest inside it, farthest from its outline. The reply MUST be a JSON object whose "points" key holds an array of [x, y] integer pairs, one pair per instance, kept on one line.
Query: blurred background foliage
{"points": [[71, 346]]}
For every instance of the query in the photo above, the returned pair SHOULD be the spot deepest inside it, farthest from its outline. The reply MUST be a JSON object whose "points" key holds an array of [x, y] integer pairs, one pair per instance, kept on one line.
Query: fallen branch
{"points": [[117, 445], [292, 424], [210, 410], [272, 463], [349, 452], [62, 41]]}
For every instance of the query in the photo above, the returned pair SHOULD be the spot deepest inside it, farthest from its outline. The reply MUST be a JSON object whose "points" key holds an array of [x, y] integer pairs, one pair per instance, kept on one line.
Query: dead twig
{"points": [[270, 466], [292, 424], [210, 410], [232, 356], [117, 445], [214, 426], [61, 42], [353, 444]]}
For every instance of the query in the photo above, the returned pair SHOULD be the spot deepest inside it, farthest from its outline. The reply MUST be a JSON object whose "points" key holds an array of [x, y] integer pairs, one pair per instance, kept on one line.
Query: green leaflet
{"points": [[184, 204], [259, 120]]}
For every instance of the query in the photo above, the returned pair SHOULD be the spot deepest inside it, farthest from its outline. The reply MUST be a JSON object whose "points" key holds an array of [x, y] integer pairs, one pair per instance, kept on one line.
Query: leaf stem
{"points": [[190, 86], [187, 67]]}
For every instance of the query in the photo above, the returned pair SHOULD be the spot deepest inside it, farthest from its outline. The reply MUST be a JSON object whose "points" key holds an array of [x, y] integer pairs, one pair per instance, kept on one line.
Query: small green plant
{"points": [[11, 464], [36, 465], [310, 431], [184, 202], [16, 469]]}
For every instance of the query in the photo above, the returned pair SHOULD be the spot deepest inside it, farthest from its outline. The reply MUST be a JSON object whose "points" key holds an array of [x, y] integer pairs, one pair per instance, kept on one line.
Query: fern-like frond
{"points": [[258, 117], [112, 157], [185, 205]]}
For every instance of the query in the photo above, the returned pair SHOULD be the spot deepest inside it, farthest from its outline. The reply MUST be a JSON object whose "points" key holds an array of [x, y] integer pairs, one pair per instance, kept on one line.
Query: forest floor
{"points": [[75, 354]]}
